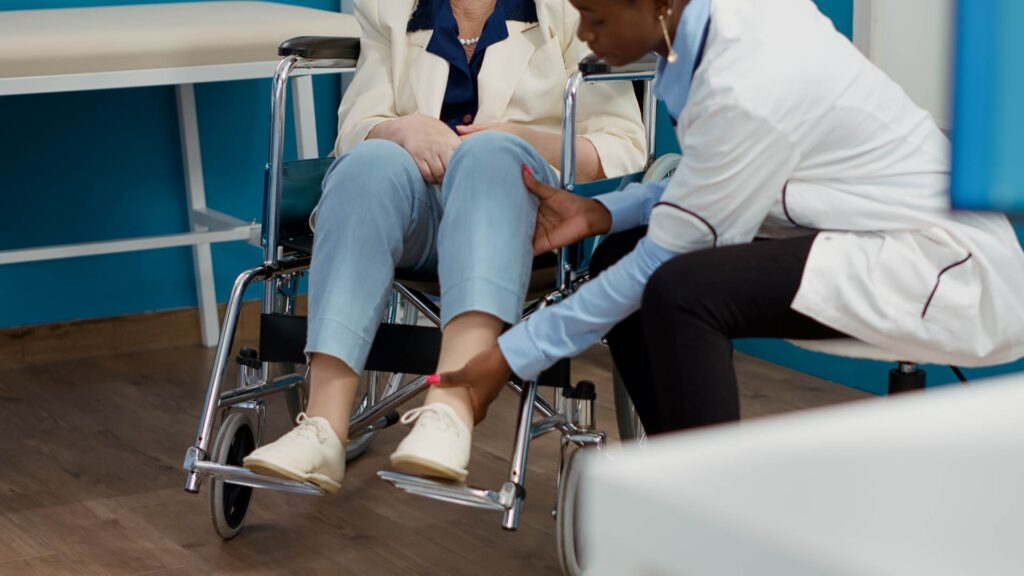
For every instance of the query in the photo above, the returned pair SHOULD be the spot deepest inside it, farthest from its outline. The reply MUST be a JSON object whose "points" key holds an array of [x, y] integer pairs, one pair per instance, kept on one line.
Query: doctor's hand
{"points": [[484, 376], [564, 217], [429, 141]]}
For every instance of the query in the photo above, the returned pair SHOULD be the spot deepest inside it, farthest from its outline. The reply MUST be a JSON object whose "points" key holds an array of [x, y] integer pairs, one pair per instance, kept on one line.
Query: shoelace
{"points": [[307, 429], [430, 415]]}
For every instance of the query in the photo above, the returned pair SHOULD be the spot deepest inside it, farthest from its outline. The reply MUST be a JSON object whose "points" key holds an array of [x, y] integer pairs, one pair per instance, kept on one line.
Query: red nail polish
{"points": [[433, 379], [526, 170]]}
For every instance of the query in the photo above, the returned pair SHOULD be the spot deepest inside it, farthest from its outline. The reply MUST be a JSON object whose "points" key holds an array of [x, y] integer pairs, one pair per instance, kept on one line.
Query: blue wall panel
{"points": [[988, 116], [106, 164], [841, 13]]}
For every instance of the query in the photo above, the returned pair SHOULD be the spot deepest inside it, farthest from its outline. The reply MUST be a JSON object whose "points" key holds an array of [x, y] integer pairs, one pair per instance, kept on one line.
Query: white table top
{"points": [[929, 483], [77, 41]]}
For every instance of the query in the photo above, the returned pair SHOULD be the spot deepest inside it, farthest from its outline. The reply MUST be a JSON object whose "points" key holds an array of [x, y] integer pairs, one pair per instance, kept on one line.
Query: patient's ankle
{"points": [[338, 421], [332, 390], [457, 399]]}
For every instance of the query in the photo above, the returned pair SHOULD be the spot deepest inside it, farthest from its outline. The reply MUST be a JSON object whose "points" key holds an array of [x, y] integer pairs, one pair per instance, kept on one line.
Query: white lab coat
{"points": [[788, 128]]}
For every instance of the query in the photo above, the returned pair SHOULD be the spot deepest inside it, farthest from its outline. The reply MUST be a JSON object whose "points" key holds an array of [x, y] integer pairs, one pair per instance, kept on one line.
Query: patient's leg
{"points": [[485, 249], [485, 255], [464, 337], [332, 390], [376, 214]]}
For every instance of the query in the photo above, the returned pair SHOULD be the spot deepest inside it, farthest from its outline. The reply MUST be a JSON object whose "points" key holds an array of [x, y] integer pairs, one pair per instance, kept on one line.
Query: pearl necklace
{"points": [[469, 41]]}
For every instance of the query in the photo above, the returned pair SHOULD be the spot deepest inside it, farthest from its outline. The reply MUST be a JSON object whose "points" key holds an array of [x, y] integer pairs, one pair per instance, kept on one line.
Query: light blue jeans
{"points": [[378, 214]]}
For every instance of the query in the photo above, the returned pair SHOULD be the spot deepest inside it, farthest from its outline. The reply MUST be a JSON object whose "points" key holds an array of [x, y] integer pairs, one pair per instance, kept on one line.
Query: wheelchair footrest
{"points": [[246, 477], [454, 492]]}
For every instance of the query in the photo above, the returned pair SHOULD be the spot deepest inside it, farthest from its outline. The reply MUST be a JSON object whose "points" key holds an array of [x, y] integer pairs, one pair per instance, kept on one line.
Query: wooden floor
{"points": [[91, 481]]}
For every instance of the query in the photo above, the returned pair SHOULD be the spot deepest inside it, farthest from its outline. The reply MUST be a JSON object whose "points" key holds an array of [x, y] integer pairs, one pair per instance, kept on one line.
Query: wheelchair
{"points": [[403, 351]]}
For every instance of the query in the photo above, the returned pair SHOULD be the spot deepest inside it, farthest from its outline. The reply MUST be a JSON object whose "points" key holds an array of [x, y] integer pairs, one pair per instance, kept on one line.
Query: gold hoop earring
{"points": [[672, 56]]}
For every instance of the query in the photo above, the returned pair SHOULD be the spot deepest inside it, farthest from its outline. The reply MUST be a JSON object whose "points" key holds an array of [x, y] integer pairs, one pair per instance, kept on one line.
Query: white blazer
{"points": [[789, 128], [522, 81]]}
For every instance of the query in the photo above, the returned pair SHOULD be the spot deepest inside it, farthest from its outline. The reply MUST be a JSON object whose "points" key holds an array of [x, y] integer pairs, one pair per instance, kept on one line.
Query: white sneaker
{"points": [[311, 452], [437, 446]]}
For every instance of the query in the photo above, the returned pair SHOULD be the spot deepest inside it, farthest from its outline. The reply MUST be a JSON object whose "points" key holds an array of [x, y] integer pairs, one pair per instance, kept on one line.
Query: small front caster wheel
{"points": [[229, 503]]}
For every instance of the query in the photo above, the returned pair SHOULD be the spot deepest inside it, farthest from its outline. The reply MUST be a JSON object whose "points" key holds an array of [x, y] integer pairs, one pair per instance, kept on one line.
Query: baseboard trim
{"points": [[76, 340]]}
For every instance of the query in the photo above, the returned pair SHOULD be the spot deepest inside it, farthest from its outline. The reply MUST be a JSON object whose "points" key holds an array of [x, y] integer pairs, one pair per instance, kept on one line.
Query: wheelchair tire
{"points": [[566, 515], [626, 418], [229, 503], [357, 446], [663, 167]]}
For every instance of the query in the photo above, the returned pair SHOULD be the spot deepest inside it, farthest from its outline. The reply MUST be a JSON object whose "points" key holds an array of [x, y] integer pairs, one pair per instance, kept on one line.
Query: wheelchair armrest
{"points": [[594, 65], [320, 48]]}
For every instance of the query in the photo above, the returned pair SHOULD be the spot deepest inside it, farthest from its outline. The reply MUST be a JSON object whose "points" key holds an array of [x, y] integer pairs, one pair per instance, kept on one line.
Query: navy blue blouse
{"points": [[461, 96]]}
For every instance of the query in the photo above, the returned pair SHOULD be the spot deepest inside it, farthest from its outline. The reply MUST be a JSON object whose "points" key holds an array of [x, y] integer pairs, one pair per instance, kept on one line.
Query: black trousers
{"points": [[675, 354]]}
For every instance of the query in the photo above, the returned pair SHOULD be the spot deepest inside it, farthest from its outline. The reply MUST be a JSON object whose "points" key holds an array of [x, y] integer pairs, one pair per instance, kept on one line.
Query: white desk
{"points": [[929, 484], [164, 44]]}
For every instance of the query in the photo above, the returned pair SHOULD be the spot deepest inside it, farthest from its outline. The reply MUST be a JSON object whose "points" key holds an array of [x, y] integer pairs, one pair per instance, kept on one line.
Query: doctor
{"points": [[787, 133]]}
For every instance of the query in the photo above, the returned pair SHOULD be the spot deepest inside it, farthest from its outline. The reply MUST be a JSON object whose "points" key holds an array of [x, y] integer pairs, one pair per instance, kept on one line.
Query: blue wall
{"points": [[106, 164], [841, 13]]}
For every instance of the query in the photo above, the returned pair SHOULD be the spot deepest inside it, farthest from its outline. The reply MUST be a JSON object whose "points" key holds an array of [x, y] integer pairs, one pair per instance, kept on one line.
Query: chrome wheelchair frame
{"points": [[571, 412]]}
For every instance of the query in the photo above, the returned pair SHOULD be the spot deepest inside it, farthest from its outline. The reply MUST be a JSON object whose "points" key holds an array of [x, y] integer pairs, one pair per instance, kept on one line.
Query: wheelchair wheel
{"points": [[229, 503], [663, 167], [628, 421], [566, 515]]}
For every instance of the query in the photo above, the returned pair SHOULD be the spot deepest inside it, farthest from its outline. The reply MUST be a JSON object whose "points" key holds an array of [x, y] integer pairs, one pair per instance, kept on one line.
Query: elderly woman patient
{"points": [[451, 101]]}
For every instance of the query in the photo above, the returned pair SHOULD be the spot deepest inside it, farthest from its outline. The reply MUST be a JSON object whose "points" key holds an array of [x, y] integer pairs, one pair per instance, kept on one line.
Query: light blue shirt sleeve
{"points": [[631, 207], [574, 325], [581, 320]]}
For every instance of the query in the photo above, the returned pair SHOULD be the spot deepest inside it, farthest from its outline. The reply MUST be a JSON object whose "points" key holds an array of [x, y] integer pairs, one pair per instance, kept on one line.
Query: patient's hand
{"points": [[524, 132], [484, 376], [564, 217], [429, 141]]}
